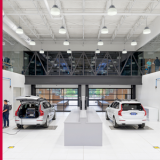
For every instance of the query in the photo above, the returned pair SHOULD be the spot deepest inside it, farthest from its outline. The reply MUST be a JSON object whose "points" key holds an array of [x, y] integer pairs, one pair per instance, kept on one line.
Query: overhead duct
{"points": [[10, 28]]}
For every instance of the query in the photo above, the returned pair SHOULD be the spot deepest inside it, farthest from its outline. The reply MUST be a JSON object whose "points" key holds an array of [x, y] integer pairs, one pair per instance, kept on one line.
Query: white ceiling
{"points": [[38, 24]]}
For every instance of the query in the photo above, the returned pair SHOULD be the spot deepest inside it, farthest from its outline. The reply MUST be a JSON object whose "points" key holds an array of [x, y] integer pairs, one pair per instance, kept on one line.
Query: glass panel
{"points": [[89, 63], [127, 69], [53, 63], [100, 99], [43, 93], [79, 68], [112, 70], [13, 54], [64, 65], [39, 68]]}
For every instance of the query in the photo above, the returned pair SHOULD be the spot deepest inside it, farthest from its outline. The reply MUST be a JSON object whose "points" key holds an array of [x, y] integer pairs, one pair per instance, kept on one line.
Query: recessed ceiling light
{"points": [[55, 11], [133, 43], [124, 51], [66, 43], [41, 51], [97, 51], [100, 42], [32, 43], [69, 51], [19, 30], [62, 30], [146, 30], [104, 30]]}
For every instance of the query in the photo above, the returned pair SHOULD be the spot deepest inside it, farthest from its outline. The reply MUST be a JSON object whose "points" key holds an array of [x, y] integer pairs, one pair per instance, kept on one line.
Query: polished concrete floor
{"points": [[49, 144]]}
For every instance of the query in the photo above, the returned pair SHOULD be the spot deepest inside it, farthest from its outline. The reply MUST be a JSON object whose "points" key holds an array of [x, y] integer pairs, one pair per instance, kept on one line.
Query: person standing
{"points": [[157, 64], [6, 114], [149, 63]]}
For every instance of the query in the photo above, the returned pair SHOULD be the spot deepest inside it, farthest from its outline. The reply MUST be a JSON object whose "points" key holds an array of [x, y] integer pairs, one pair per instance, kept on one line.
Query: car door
{"points": [[110, 110], [46, 110], [115, 109], [51, 110]]}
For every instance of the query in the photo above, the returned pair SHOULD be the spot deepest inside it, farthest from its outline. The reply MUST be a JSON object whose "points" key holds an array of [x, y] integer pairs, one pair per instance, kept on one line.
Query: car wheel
{"points": [[107, 118], [46, 124], [142, 125], [115, 125], [19, 126], [54, 118]]}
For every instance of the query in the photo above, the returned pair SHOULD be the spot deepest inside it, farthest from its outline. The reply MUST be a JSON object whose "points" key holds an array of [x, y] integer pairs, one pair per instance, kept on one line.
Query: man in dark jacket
{"points": [[6, 114], [157, 64]]}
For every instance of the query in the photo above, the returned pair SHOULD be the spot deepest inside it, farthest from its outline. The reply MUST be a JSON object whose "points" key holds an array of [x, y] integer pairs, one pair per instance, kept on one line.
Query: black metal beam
{"points": [[111, 80]]}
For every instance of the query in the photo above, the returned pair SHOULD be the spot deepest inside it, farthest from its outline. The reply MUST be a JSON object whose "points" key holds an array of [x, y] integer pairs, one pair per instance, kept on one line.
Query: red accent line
{"points": [[1, 81]]}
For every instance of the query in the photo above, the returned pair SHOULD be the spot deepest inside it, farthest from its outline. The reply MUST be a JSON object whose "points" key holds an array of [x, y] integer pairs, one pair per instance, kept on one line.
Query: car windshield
{"points": [[132, 106]]}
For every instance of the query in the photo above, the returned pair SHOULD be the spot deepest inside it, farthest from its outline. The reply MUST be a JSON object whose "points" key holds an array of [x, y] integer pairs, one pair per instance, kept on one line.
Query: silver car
{"points": [[34, 110]]}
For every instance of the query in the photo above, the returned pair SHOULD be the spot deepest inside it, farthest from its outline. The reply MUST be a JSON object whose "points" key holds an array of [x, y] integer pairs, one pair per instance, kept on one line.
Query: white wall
{"points": [[17, 81], [147, 94]]}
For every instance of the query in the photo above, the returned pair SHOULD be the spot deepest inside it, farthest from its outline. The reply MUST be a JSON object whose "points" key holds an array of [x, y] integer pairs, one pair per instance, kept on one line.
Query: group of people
{"points": [[156, 63]]}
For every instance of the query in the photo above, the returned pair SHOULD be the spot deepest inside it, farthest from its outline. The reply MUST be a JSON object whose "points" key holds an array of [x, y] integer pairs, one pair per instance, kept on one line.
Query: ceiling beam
{"points": [[122, 19], [149, 9], [23, 18], [36, 4], [88, 14]]}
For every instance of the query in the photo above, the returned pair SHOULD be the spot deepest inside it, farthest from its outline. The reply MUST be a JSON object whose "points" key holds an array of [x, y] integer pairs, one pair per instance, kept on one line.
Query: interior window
{"points": [[116, 105], [45, 106]]}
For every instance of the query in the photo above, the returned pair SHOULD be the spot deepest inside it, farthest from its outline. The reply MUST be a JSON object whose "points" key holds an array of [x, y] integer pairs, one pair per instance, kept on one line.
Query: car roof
{"points": [[127, 101]]}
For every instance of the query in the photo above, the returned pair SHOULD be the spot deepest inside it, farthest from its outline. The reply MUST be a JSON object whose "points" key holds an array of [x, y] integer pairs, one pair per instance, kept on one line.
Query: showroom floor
{"points": [[49, 144]]}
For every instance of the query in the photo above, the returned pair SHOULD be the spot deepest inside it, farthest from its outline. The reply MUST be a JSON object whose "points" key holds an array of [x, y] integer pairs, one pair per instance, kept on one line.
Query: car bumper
{"points": [[122, 121], [30, 121]]}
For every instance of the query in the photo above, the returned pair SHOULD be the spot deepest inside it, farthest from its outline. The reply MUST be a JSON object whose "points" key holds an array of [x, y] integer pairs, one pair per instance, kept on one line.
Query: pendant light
{"points": [[19, 30], [41, 51], [62, 30], [32, 43], [69, 51], [104, 30], [133, 43], [112, 10], [124, 50], [4, 43], [146, 29], [97, 51], [55, 11], [100, 43], [66, 43]]}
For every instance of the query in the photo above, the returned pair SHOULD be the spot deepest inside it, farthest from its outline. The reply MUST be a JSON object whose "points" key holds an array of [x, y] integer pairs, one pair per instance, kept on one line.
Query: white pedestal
{"points": [[83, 128]]}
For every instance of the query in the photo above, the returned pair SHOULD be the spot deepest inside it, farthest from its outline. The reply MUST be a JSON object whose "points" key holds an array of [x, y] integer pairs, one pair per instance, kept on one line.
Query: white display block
{"points": [[83, 128], [152, 113]]}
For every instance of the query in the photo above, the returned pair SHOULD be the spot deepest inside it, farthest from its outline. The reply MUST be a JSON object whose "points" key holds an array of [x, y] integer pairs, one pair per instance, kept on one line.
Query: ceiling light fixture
{"points": [[41, 51], [19, 30], [146, 29], [32, 43], [62, 30], [97, 51], [69, 51], [133, 43], [124, 50], [100, 43], [4, 43], [112, 10], [55, 11], [104, 30], [66, 43]]}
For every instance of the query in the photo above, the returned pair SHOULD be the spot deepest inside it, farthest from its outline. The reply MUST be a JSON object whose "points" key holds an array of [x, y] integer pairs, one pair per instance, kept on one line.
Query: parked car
{"points": [[34, 110], [126, 112]]}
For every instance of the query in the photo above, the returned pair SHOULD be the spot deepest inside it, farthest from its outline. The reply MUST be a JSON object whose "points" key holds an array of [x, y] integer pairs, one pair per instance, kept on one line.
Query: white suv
{"points": [[126, 112]]}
